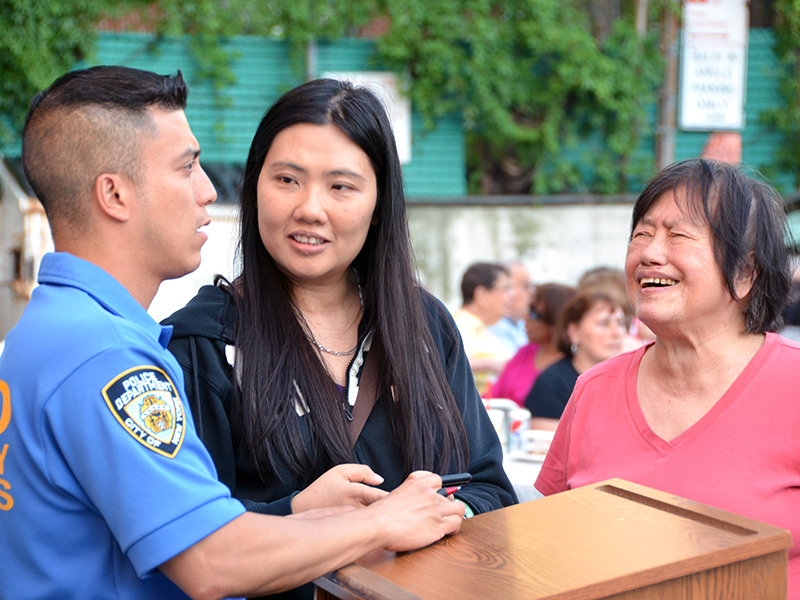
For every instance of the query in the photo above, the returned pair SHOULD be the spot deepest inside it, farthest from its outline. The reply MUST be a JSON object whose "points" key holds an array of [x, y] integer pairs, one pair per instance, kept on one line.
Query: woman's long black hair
{"points": [[275, 360]]}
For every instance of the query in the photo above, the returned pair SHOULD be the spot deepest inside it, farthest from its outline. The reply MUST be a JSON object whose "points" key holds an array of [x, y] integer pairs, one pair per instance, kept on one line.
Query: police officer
{"points": [[107, 491]]}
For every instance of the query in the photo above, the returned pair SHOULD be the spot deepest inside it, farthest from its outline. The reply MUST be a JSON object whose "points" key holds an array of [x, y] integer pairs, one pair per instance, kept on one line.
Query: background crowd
{"points": [[528, 342]]}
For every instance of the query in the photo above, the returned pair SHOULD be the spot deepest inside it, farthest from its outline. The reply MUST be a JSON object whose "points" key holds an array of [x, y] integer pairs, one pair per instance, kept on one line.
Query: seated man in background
{"points": [[511, 328], [107, 490], [485, 290]]}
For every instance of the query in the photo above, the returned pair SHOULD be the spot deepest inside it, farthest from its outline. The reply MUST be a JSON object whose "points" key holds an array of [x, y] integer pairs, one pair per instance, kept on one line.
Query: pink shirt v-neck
{"points": [[742, 456], [663, 446]]}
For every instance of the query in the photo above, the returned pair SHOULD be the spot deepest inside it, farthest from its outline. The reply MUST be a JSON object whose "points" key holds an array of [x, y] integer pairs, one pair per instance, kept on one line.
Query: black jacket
{"points": [[202, 331]]}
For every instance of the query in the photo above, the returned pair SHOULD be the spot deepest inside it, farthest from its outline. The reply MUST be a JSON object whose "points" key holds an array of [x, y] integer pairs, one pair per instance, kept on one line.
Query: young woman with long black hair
{"points": [[275, 360]]}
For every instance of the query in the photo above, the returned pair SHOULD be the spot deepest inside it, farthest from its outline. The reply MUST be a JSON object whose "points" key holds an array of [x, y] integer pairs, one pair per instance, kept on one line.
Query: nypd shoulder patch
{"points": [[146, 403]]}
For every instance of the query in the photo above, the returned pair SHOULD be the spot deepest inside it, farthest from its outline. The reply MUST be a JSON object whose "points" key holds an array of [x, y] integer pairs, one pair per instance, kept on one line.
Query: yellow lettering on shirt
{"points": [[6, 500], [5, 406]]}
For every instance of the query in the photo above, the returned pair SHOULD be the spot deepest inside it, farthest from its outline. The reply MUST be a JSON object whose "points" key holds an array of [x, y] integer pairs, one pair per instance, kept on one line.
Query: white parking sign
{"points": [[713, 65]]}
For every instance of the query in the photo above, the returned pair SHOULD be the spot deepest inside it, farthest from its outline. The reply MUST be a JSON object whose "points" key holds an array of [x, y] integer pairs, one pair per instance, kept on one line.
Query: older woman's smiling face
{"points": [[672, 277]]}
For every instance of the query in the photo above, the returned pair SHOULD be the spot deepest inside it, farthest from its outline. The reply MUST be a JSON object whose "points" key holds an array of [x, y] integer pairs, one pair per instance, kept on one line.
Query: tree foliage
{"points": [[532, 81], [552, 102], [38, 42], [786, 119]]}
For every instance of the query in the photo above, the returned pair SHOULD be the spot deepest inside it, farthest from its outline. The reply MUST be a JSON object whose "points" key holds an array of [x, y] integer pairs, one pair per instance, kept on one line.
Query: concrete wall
{"points": [[217, 256], [24, 237], [11, 303], [557, 243]]}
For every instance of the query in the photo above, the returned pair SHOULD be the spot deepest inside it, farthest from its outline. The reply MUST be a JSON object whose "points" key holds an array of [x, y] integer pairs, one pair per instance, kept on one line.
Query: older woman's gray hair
{"points": [[748, 227]]}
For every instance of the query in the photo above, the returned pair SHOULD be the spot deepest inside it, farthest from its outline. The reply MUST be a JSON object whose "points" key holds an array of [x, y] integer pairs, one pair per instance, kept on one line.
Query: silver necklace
{"points": [[352, 350]]}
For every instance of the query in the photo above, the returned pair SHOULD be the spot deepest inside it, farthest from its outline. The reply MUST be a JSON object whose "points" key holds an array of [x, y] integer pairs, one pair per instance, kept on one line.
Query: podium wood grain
{"points": [[614, 540]]}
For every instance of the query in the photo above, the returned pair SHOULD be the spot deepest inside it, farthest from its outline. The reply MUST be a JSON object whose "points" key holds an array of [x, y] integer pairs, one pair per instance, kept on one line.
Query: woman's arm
{"points": [[490, 488]]}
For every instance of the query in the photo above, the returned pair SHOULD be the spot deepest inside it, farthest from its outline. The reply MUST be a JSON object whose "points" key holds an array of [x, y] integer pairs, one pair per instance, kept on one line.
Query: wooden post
{"points": [[641, 17], [667, 101]]}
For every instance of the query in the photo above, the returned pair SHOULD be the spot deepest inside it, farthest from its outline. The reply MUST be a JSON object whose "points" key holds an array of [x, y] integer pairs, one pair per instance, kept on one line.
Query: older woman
{"points": [[709, 411], [589, 330]]}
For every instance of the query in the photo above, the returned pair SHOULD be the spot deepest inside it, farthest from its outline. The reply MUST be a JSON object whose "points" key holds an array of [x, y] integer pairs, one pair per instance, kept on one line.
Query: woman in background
{"points": [[326, 330], [517, 378], [590, 329]]}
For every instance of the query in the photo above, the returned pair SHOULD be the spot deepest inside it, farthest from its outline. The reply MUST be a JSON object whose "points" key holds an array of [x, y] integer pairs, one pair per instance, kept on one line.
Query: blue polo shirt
{"points": [[102, 477]]}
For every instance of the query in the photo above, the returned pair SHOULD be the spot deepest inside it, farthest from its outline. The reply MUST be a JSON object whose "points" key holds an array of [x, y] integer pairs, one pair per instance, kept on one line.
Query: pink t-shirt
{"points": [[517, 378], [743, 456]]}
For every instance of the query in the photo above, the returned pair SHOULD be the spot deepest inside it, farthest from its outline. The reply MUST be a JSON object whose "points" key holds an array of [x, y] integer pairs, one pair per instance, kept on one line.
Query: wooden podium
{"points": [[613, 539]]}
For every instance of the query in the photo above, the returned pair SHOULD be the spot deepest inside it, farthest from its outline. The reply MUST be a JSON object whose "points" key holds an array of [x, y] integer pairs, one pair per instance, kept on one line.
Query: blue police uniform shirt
{"points": [[102, 476]]}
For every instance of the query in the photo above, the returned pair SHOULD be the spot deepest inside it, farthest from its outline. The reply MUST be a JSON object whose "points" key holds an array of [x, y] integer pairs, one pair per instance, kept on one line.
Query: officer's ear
{"points": [[113, 195]]}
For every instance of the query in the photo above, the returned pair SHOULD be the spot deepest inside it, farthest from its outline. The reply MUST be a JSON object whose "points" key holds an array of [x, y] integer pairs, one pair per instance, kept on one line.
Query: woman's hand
{"points": [[343, 485]]}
